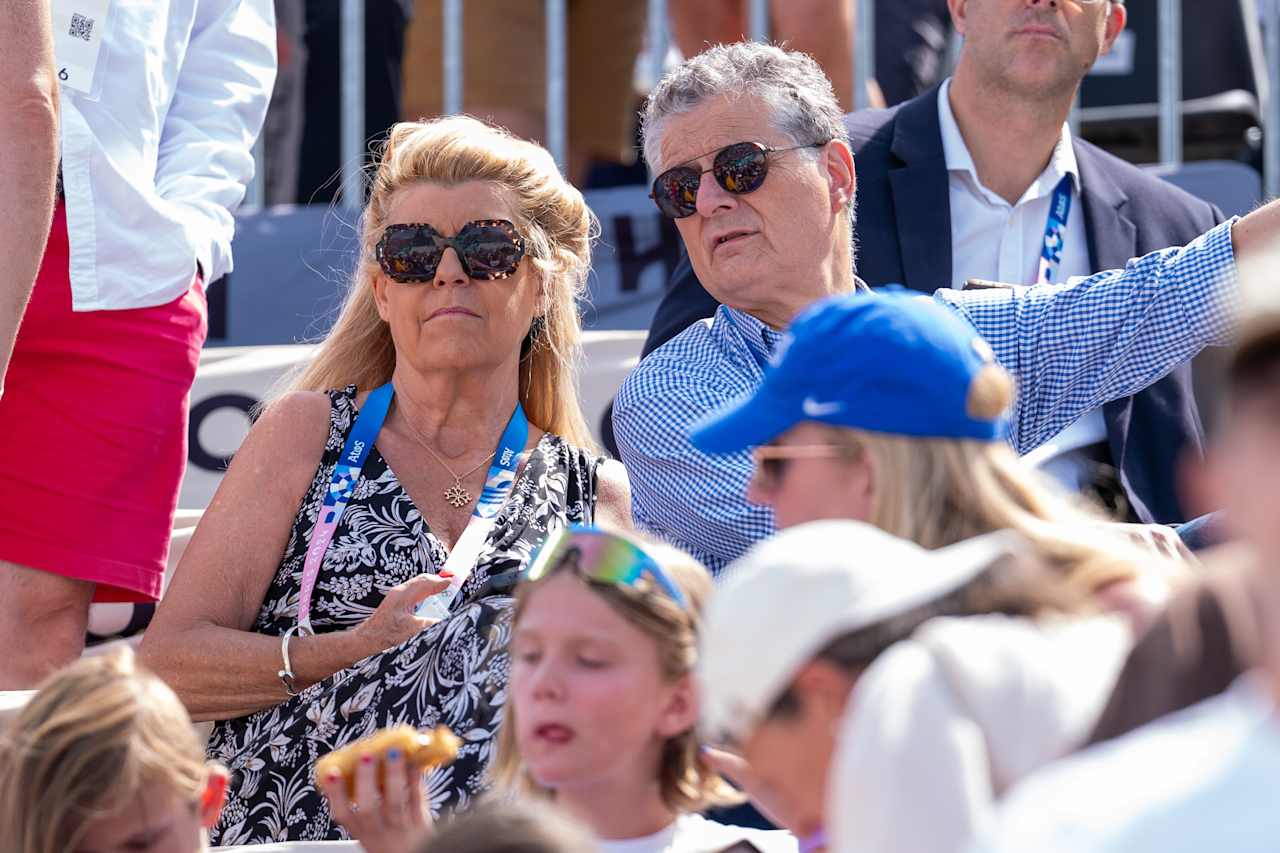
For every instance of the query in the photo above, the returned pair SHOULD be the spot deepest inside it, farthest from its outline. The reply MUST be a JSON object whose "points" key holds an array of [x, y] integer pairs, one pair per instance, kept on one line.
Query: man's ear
{"points": [[214, 796], [681, 713], [959, 10], [841, 175], [1116, 20]]}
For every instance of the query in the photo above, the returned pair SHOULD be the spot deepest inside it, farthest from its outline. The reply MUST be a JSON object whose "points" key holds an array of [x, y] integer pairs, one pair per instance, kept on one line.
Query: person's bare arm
{"points": [[613, 496], [28, 157], [199, 641], [1256, 242]]}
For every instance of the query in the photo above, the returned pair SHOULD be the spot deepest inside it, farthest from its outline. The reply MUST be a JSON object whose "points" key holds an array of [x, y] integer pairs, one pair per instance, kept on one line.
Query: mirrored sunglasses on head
{"points": [[739, 168], [488, 249], [599, 555]]}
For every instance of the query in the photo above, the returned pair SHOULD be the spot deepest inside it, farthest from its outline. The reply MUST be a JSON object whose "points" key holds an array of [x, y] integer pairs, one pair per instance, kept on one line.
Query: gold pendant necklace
{"points": [[456, 495]]}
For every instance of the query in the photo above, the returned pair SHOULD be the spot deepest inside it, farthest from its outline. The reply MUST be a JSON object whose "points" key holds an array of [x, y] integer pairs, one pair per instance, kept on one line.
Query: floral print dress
{"points": [[454, 673]]}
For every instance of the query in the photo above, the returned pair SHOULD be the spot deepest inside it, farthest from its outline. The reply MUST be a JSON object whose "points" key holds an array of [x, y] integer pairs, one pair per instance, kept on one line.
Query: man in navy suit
{"points": [[958, 184]]}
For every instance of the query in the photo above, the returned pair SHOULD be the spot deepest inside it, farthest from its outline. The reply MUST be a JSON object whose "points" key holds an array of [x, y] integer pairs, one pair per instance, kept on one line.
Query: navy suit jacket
{"points": [[904, 237]]}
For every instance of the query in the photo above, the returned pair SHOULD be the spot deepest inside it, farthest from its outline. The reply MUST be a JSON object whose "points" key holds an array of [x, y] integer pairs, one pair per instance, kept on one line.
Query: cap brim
{"points": [[751, 420]]}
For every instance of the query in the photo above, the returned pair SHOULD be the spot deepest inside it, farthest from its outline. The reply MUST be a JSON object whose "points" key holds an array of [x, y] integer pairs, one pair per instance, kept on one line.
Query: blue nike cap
{"points": [[891, 361]]}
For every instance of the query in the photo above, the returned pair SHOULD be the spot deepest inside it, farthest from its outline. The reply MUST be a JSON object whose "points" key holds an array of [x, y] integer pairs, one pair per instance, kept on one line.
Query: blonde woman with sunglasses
{"points": [[353, 571]]}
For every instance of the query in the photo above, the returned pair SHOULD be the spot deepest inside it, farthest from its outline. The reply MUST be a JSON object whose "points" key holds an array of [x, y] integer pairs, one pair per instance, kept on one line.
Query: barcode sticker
{"points": [[77, 41], [81, 27]]}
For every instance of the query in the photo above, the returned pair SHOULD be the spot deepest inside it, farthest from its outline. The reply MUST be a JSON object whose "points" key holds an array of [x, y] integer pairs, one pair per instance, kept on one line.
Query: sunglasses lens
{"points": [[676, 192], [600, 556], [410, 252], [613, 560], [547, 556], [741, 168], [491, 251], [770, 470]]}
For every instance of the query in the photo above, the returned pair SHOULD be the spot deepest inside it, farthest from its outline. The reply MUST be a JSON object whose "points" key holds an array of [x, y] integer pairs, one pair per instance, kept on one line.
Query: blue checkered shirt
{"points": [[1071, 347]]}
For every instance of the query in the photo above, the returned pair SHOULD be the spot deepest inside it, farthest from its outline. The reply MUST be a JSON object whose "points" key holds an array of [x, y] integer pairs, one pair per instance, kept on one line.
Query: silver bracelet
{"points": [[286, 675]]}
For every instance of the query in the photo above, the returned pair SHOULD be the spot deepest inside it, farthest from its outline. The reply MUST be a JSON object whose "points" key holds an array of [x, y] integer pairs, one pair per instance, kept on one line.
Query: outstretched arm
{"points": [[1256, 239], [1074, 346]]}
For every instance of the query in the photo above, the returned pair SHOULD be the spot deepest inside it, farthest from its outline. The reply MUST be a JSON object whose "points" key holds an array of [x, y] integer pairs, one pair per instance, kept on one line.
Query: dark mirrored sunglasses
{"points": [[738, 168], [488, 249], [599, 555]]}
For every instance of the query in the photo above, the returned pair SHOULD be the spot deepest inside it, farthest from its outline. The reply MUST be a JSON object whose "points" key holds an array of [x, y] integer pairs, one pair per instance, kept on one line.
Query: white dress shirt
{"points": [[997, 241], [154, 166]]}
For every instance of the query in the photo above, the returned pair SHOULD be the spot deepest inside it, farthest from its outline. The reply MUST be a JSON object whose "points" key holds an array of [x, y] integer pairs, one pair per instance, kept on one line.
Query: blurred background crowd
{"points": [[700, 425]]}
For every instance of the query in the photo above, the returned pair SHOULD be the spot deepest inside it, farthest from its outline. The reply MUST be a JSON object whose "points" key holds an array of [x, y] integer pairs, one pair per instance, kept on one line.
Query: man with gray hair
{"points": [[755, 166]]}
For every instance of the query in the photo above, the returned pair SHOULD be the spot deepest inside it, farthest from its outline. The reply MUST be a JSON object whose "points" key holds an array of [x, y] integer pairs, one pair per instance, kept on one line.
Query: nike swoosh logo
{"points": [[814, 409]]}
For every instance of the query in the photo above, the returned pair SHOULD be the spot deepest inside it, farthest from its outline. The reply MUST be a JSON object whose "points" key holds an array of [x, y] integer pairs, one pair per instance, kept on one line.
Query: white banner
{"points": [[232, 381]]}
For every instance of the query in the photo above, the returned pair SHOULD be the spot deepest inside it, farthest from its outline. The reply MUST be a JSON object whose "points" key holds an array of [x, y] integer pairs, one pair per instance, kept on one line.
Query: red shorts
{"points": [[93, 426]]}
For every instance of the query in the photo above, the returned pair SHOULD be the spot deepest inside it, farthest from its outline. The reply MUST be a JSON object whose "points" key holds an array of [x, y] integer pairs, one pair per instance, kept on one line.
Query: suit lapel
{"points": [[1112, 236], [921, 198], [1113, 240]]}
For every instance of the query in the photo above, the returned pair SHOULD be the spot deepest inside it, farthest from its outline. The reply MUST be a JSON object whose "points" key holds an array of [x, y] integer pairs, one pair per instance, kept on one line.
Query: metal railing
{"points": [[352, 54], [1271, 136], [353, 129], [451, 49], [758, 20], [1170, 64], [558, 82], [658, 39], [864, 53]]}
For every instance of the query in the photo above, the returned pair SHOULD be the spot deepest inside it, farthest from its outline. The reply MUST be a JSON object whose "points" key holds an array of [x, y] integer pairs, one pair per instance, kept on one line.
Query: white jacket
{"points": [[942, 724], [153, 168], [1201, 779]]}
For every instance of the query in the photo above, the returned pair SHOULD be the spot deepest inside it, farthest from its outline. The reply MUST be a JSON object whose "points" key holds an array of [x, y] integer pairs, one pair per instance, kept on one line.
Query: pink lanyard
{"points": [[343, 482]]}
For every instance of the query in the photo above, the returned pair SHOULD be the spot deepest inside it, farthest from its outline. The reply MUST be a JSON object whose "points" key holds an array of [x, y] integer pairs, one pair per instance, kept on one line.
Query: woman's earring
{"points": [[536, 330]]}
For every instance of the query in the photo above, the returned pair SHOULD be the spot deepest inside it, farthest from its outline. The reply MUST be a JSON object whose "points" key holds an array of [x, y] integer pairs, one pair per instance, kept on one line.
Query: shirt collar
{"points": [[760, 337], [956, 152]]}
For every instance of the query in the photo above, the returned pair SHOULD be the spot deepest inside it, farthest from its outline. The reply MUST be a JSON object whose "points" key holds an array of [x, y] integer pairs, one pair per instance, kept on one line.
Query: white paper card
{"points": [[78, 26]]}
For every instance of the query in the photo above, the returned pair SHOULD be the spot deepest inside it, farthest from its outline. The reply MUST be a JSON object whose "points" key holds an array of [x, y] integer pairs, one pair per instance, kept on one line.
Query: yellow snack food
{"points": [[423, 750]]}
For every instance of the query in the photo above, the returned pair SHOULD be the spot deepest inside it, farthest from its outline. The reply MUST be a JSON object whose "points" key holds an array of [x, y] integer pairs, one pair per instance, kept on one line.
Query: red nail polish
{"points": [[367, 758], [334, 776], [445, 573]]}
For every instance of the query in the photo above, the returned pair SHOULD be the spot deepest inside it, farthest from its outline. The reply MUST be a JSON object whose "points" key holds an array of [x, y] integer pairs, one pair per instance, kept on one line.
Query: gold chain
{"points": [[456, 495]]}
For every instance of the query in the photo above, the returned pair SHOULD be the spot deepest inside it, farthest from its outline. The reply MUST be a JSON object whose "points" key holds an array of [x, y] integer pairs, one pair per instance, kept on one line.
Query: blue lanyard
{"points": [[506, 458], [1055, 231], [346, 473]]}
